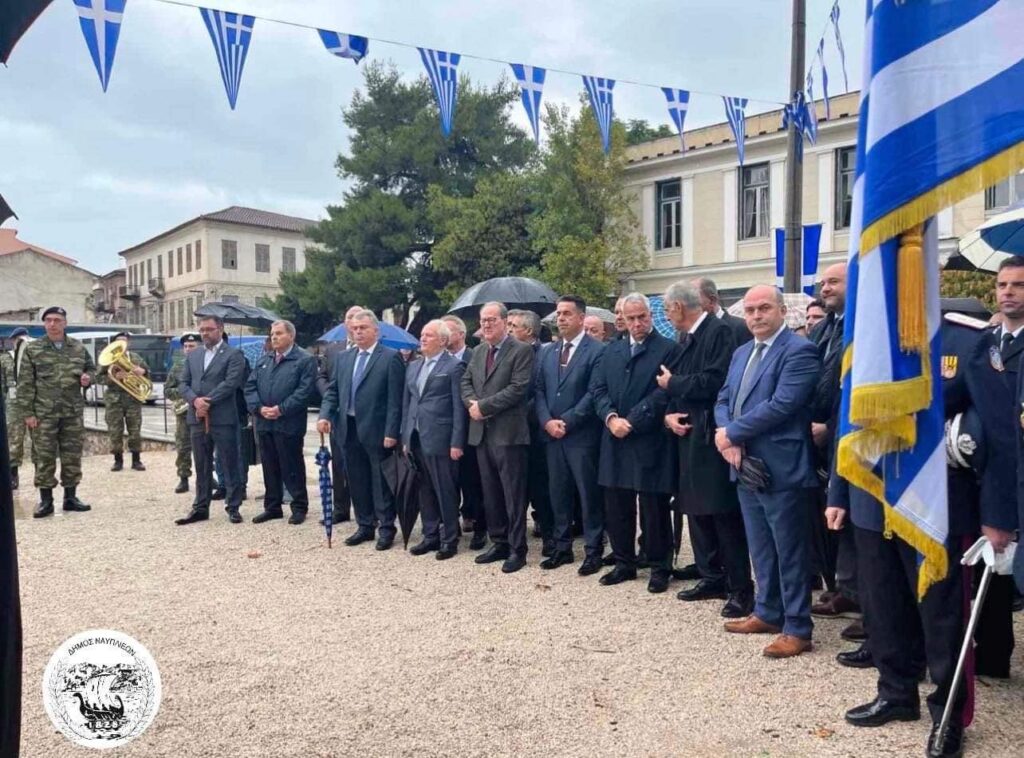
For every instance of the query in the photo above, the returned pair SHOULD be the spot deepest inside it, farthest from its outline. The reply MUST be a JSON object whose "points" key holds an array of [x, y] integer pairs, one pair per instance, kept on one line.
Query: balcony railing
{"points": [[129, 291]]}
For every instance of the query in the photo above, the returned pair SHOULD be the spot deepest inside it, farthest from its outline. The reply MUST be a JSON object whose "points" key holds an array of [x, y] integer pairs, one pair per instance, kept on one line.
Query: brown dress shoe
{"points": [[751, 625], [787, 646], [836, 606]]}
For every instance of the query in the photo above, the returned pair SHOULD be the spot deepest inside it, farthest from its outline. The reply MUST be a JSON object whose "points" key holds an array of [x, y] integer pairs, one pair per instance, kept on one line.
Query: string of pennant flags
{"points": [[232, 33]]}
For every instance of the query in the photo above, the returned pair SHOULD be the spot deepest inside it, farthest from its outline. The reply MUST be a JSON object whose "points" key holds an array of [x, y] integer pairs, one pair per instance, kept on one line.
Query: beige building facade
{"points": [[33, 278], [704, 215], [234, 255]]}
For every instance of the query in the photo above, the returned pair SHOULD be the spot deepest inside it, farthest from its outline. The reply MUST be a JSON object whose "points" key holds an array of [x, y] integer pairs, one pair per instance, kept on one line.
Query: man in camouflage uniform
{"points": [[16, 429], [53, 372], [123, 410], [172, 391]]}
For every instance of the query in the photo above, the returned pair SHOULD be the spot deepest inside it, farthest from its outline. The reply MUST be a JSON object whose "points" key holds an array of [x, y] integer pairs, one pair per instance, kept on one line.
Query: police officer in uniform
{"points": [[54, 371], [123, 410], [172, 391], [16, 429]]}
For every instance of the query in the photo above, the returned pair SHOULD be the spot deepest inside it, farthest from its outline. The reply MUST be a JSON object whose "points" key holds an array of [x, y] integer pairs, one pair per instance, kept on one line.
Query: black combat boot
{"points": [[14, 477], [118, 462], [72, 503], [137, 462], [45, 507], [182, 486]]}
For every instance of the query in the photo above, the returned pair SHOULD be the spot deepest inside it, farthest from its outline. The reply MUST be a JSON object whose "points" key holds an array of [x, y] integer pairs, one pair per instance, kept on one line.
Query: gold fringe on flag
{"points": [[913, 319]]}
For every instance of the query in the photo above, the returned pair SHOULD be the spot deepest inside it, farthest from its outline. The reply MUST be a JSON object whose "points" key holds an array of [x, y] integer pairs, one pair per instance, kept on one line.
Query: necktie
{"points": [[278, 357], [564, 359], [357, 376], [421, 380], [748, 376], [634, 349], [835, 339], [1007, 339], [491, 354]]}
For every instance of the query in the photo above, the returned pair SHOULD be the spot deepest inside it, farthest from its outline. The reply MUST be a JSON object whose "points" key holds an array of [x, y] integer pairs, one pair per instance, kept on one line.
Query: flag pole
{"points": [[794, 156]]}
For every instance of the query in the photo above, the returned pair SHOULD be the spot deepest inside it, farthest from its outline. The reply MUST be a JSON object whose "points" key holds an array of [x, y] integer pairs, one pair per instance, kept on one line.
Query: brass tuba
{"points": [[119, 368]]}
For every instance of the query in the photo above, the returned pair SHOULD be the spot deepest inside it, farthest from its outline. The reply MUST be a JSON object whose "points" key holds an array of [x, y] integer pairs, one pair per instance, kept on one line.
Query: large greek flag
{"points": [[531, 82], [600, 92], [231, 34], [941, 118], [735, 108], [443, 72], [348, 46], [101, 27], [678, 103]]}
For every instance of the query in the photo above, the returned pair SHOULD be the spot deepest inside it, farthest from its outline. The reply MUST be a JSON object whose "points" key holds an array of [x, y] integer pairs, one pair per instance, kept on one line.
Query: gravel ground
{"points": [[269, 644]]}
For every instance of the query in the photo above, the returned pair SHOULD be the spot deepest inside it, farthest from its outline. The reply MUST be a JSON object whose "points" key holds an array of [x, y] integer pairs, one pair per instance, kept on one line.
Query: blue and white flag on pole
{"points": [[678, 102], [735, 108], [600, 92], [824, 77], [798, 113], [811, 243], [443, 72], [101, 27], [936, 126], [834, 16], [345, 45], [531, 82], [812, 110], [231, 34]]}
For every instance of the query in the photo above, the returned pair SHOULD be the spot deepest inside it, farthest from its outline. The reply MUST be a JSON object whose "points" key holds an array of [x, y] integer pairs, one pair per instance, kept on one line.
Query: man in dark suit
{"points": [[763, 412], [637, 456], [210, 381], [572, 435], [277, 394], [712, 303], [434, 424], [342, 510], [705, 493], [364, 403], [494, 389]]}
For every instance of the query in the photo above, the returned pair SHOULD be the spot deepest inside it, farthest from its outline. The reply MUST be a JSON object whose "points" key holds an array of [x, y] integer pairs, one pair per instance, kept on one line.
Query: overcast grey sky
{"points": [[90, 173]]}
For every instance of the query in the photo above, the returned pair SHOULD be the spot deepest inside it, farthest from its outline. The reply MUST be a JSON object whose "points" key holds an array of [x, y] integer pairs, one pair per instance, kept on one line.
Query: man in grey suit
{"points": [[364, 403], [209, 382], [434, 423], [494, 389], [712, 304]]}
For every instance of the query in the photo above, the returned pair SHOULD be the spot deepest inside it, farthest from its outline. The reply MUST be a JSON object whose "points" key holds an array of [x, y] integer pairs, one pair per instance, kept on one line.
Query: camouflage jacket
{"points": [[172, 385], [6, 372], [49, 382], [113, 388]]}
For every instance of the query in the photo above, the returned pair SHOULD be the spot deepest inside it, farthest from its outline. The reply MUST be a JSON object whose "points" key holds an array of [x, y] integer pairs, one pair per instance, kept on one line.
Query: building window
{"points": [[199, 254], [160, 266], [288, 260], [229, 299], [171, 317], [170, 264], [228, 254], [754, 194], [181, 313], [1008, 192], [669, 214], [149, 270], [262, 259], [188, 258], [190, 311], [181, 260], [845, 157]]}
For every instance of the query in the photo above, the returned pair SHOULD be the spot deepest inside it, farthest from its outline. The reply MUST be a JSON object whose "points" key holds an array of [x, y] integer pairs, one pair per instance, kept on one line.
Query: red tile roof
{"points": [[10, 244]]}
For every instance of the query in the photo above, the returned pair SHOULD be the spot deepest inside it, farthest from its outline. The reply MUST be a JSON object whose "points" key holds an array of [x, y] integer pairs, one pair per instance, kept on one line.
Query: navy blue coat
{"points": [[442, 417], [378, 401], [775, 422], [643, 461], [568, 397], [288, 385]]}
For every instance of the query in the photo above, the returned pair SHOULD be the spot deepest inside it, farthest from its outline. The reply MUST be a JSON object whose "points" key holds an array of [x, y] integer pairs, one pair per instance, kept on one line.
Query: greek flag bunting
{"points": [[101, 26], [678, 102], [443, 72], [812, 111], [798, 113], [824, 77], [531, 82], [834, 17], [600, 92], [345, 45], [811, 243], [231, 34], [734, 114], [936, 125]]}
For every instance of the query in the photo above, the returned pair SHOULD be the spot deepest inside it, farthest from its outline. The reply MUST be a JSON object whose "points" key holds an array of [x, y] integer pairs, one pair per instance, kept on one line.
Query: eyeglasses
{"points": [[489, 320]]}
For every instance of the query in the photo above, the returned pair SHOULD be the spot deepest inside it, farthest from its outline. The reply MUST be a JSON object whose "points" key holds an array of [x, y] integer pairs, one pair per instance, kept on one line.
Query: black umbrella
{"points": [[237, 313], [403, 478], [16, 16], [513, 291], [5, 210]]}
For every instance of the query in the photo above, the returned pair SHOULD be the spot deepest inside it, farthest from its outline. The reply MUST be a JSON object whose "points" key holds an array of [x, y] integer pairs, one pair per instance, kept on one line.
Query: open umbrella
{"points": [[513, 291], [237, 313], [16, 16], [402, 477], [604, 314], [991, 243], [390, 335], [323, 460]]}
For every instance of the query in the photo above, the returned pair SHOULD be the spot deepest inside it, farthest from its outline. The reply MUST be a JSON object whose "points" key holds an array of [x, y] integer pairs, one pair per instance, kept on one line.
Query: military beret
{"points": [[54, 309], [119, 335], [18, 331], [189, 337]]}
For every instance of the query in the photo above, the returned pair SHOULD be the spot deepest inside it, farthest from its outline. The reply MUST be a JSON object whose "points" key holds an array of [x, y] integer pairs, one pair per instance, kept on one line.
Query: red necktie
{"points": [[490, 359]]}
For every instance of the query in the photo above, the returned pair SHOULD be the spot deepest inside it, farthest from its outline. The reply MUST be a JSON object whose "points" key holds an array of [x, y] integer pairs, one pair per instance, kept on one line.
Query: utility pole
{"points": [[794, 156]]}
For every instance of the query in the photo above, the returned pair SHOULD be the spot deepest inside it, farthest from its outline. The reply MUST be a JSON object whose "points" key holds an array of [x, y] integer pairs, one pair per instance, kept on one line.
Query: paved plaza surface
{"points": [[269, 644]]}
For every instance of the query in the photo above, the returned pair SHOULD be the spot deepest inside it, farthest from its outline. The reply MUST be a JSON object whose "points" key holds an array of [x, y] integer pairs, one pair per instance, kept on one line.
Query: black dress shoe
{"points": [[182, 486], [446, 552], [608, 560], [267, 516], [234, 516], [193, 517], [219, 494], [739, 605], [548, 549], [591, 565], [495, 554], [479, 541], [558, 558], [384, 543], [687, 572], [618, 575], [705, 589], [879, 712], [359, 536], [854, 632], [659, 580], [296, 518], [424, 547], [951, 746], [856, 659], [513, 563]]}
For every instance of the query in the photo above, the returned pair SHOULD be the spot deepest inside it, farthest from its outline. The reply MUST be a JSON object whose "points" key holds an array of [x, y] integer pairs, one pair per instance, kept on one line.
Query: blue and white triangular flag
{"points": [[345, 45], [443, 72], [824, 77], [735, 114], [678, 102], [812, 111], [231, 34], [834, 16], [798, 113], [101, 27], [600, 92], [531, 82]]}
